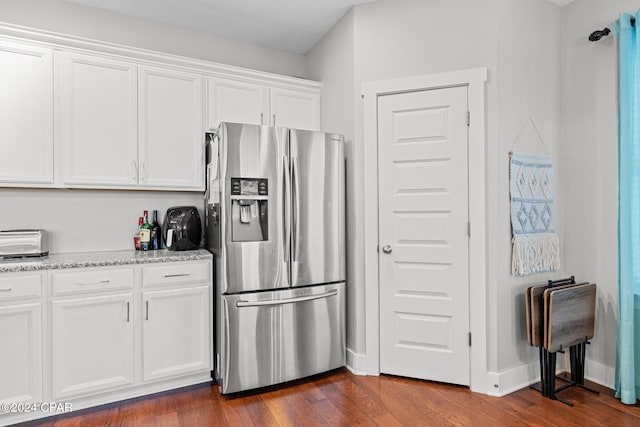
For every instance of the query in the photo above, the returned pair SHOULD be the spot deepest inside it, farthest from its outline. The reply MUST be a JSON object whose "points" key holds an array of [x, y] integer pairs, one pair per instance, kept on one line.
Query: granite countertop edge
{"points": [[100, 259]]}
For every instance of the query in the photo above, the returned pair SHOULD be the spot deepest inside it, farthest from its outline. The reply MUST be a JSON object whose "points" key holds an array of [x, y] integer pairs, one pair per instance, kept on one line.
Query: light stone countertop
{"points": [[99, 259]]}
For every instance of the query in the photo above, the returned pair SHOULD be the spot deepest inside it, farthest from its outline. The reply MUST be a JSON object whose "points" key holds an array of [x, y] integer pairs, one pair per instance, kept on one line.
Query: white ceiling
{"points": [[290, 25], [561, 2]]}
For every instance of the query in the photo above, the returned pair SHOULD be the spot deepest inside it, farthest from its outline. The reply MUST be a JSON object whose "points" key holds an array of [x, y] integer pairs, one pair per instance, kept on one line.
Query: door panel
{"points": [[21, 353], [238, 102], [171, 129], [26, 108], [97, 119], [176, 333], [295, 109], [423, 194], [254, 152], [271, 337], [317, 212], [92, 344]]}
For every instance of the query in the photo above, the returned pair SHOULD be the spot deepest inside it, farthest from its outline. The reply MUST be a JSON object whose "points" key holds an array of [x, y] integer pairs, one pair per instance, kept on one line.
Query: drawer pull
{"points": [[127, 311], [99, 282], [147, 305], [5, 290], [176, 275]]}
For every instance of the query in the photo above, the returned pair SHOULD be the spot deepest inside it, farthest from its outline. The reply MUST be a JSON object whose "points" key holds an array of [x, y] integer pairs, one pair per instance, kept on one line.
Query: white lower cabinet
{"points": [[91, 336], [91, 344], [21, 355], [176, 333]]}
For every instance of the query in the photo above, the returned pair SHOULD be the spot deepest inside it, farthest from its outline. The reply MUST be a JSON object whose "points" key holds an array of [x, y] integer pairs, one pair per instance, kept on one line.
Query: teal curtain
{"points": [[628, 351]]}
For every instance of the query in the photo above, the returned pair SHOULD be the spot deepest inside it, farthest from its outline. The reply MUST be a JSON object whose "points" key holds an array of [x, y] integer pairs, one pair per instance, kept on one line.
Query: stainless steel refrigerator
{"points": [[275, 223]]}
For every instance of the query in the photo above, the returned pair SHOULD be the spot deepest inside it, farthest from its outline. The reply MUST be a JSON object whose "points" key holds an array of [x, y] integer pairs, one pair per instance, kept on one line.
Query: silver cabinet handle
{"points": [[5, 290], [261, 118], [242, 303], [143, 171], [387, 249], [274, 120], [128, 312], [134, 178], [286, 208], [99, 282], [177, 275], [295, 207], [147, 306]]}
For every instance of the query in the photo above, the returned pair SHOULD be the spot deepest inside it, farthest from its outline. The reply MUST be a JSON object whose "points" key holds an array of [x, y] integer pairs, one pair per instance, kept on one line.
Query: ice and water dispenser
{"points": [[249, 209]]}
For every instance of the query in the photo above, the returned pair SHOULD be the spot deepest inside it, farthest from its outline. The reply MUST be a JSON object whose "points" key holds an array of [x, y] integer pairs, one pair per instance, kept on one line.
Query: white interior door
{"points": [[424, 243]]}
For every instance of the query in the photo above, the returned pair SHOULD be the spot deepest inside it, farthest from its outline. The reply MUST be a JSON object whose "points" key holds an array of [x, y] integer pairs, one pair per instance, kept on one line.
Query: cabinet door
{"points": [[26, 111], [171, 129], [92, 344], [295, 109], [97, 120], [21, 353], [176, 332], [238, 102]]}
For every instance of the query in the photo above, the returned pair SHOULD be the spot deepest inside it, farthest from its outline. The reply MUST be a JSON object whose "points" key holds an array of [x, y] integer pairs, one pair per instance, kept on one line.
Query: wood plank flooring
{"points": [[340, 398]]}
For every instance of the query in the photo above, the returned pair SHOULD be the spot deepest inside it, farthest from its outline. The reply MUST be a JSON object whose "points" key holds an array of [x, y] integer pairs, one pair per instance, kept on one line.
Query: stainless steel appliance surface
{"points": [[275, 223], [23, 243]]}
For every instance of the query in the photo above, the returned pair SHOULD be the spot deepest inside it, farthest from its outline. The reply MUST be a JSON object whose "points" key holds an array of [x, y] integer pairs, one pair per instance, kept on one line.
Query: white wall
{"points": [[332, 61], [73, 19], [85, 220], [589, 153], [528, 81]]}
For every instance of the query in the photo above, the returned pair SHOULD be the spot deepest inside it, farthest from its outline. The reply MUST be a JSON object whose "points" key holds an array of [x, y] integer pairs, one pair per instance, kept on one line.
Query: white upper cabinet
{"points": [[123, 125], [171, 129], [247, 102], [237, 101], [97, 120], [295, 109], [26, 109], [85, 115]]}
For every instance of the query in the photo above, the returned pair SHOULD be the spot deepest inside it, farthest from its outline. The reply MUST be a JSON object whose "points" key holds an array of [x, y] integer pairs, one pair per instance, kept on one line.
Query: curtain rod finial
{"points": [[597, 35]]}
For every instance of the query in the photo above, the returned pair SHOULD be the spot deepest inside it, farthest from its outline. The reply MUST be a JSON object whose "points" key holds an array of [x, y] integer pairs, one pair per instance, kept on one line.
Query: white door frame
{"points": [[475, 80]]}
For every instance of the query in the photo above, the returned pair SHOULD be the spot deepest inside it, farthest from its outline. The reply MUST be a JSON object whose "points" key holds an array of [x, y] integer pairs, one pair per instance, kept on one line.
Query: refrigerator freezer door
{"points": [[255, 236], [317, 210], [271, 337]]}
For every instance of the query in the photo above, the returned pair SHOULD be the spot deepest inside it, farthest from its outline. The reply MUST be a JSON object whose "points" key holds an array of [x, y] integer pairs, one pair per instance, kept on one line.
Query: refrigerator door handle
{"points": [[242, 303], [286, 206], [295, 207]]}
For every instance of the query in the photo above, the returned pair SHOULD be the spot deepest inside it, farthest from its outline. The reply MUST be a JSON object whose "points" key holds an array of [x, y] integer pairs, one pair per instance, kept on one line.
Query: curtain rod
{"points": [[598, 34]]}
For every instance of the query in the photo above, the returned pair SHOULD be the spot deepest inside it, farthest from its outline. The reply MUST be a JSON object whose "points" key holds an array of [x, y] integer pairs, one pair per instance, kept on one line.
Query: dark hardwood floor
{"points": [[340, 398]]}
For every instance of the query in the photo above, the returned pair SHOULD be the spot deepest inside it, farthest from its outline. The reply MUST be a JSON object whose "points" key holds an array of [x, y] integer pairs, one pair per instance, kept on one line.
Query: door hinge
{"points": [[469, 339], [468, 118], [469, 228]]}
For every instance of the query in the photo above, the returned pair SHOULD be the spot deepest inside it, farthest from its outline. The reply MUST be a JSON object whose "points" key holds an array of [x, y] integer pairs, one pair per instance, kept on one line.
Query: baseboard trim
{"points": [[356, 362], [506, 382], [600, 373]]}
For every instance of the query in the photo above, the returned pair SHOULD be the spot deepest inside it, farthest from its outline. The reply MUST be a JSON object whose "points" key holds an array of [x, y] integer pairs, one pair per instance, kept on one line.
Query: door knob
{"points": [[386, 249]]}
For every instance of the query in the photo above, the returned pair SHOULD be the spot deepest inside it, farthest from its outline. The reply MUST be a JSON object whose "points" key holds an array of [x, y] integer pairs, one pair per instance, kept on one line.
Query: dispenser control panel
{"points": [[249, 187]]}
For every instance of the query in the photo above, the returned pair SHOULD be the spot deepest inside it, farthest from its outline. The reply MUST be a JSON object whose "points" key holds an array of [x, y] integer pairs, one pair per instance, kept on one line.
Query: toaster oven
{"points": [[23, 243]]}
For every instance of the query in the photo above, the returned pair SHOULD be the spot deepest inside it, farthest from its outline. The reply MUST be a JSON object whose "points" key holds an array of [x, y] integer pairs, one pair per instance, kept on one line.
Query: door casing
{"points": [[475, 80]]}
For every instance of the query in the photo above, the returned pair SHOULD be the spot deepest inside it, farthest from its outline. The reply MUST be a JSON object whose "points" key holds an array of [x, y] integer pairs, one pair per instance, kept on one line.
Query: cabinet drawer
{"points": [[175, 273], [94, 280], [15, 286]]}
